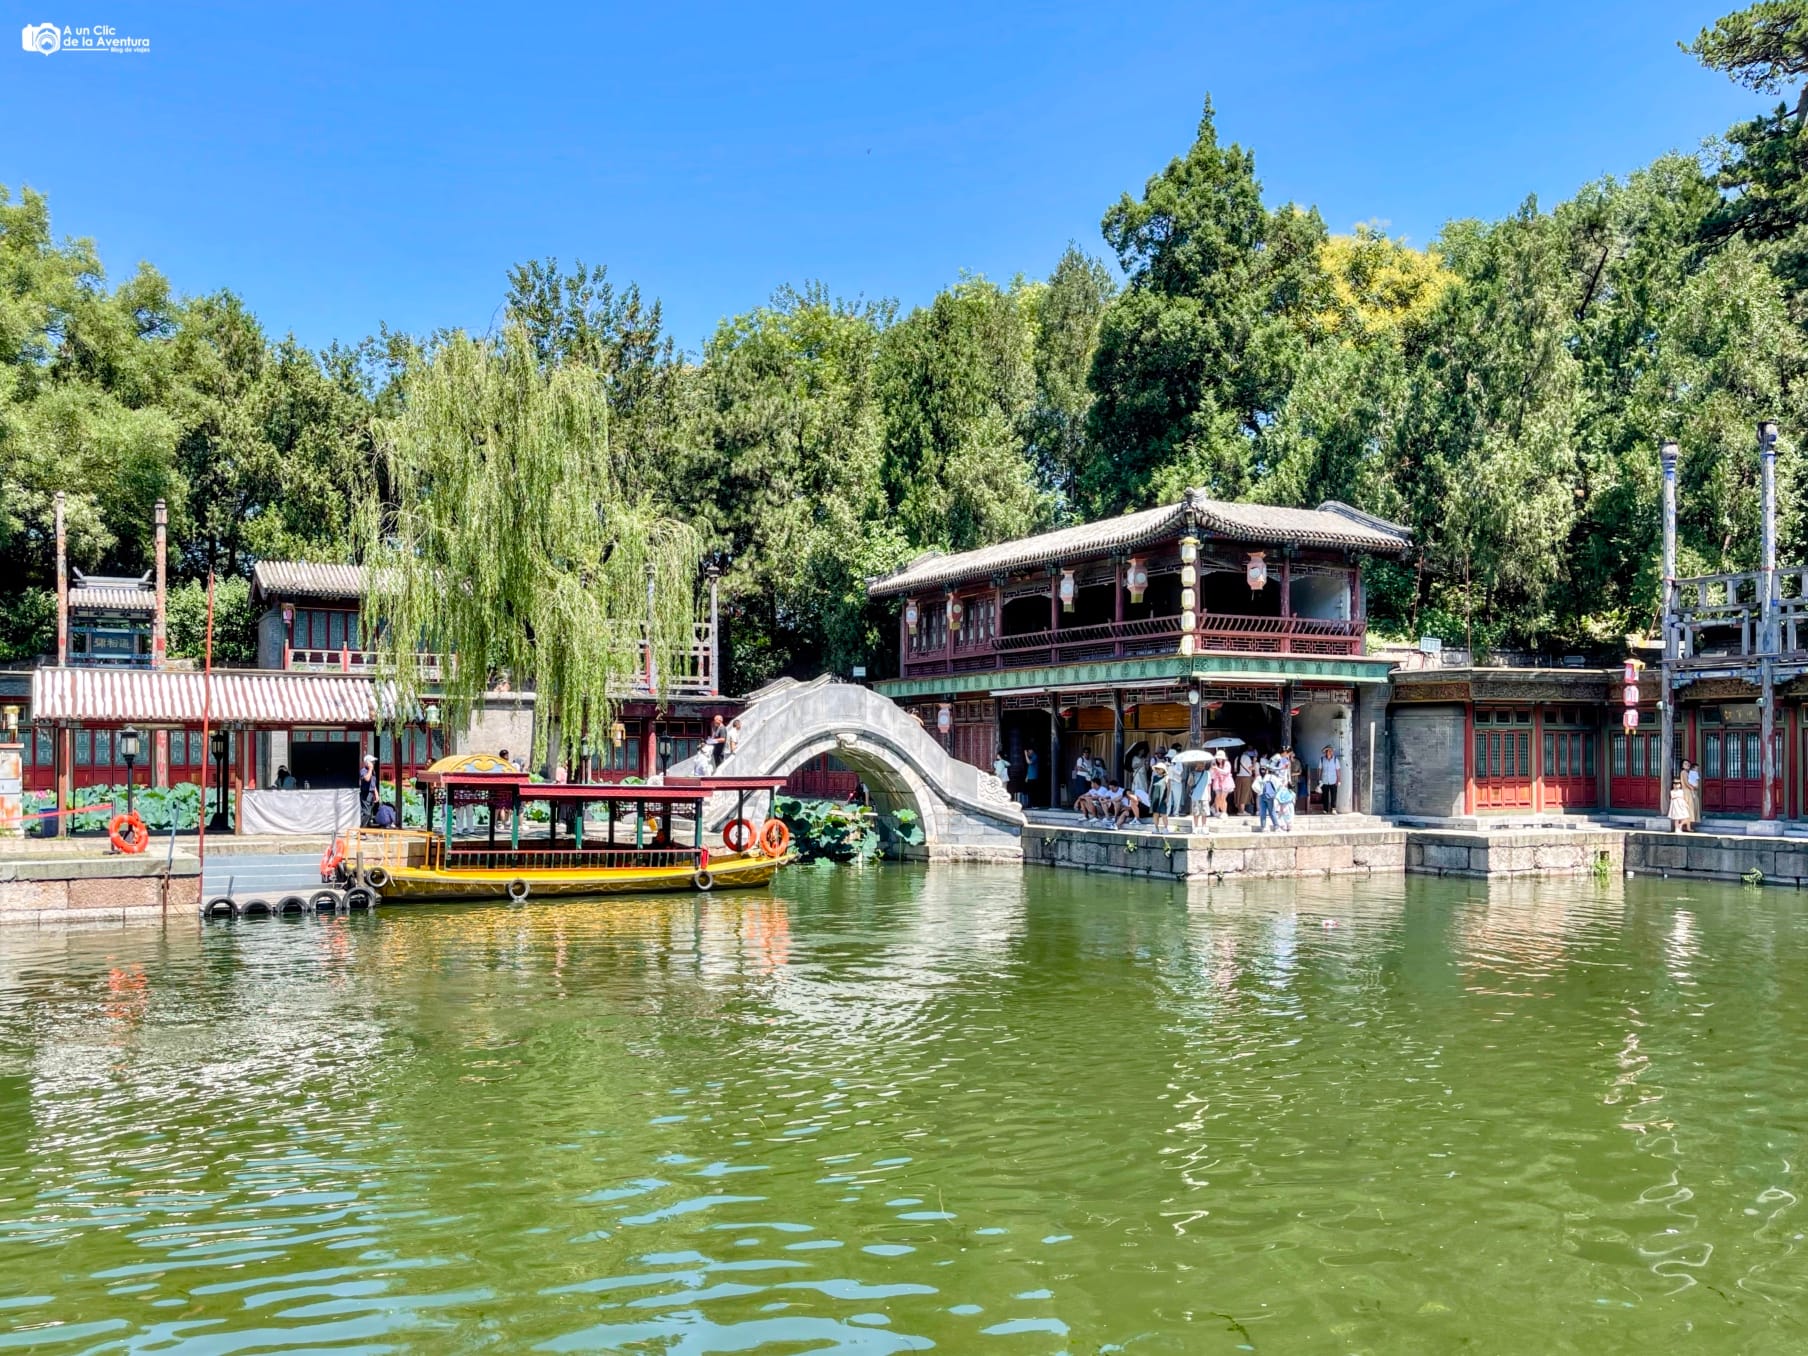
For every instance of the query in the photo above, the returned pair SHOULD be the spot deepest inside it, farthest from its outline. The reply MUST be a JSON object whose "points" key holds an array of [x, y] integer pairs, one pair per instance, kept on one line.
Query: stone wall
{"points": [[1179, 857], [95, 890], [1557, 852], [1425, 748], [1781, 861]]}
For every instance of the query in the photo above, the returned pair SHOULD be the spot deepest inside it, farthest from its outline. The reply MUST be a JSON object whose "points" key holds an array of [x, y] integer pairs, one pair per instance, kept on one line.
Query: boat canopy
{"points": [[485, 772]]}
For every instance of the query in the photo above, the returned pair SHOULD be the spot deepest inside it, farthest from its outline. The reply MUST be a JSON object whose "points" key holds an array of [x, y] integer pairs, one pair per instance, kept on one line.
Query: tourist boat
{"points": [[546, 839]]}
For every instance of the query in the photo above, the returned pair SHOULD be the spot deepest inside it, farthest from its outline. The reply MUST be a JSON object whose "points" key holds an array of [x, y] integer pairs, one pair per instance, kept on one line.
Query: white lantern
{"points": [[1256, 572], [1189, 576], [1136, 578], [1186, 644], [944, 718], [1067, 590], [1630, 694], [1188, 619], [1189, 550], [955, 612], [1629, 719], [1187, 600], [910, 616]]}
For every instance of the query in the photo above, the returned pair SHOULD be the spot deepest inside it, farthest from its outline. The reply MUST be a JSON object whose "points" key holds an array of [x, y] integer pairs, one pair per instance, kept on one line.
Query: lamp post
{"points": [[665, 753], [128, 751], [219, 745], [430, 718]]}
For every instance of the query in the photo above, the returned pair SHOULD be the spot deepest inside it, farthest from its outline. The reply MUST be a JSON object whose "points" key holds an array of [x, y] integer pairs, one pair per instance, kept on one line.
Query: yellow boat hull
{"points": [[422, 884]]}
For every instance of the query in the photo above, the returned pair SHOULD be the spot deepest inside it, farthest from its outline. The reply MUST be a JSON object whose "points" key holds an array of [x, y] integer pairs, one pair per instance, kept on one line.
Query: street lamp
{"points": [[219, 744], [665, 753], [432, 718], [128, 752]]}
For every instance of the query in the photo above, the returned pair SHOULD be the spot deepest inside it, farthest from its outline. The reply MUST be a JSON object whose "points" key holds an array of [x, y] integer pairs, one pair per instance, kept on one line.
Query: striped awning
{"points": [[239, 697]]}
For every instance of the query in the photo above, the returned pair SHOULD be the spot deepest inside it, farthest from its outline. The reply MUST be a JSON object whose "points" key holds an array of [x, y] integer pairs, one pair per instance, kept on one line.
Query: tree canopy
{"points": [[1501, 389]]}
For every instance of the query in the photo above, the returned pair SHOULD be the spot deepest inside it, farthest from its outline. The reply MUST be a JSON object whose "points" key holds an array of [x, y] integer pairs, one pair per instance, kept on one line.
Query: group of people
{"points": [[1685, 798], [724, 739], [1201, 785]]}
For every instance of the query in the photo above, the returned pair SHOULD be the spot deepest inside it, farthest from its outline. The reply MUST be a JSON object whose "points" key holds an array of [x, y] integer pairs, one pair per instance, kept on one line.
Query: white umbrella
{"points": [[1224, 742], [1192, 757]]}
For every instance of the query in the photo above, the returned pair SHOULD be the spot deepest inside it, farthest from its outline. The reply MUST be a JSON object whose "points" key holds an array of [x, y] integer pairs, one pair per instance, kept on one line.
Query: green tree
{"points": [[1066, 313], [956, 380], [1198, 353], [520, 540], [780, 474]]}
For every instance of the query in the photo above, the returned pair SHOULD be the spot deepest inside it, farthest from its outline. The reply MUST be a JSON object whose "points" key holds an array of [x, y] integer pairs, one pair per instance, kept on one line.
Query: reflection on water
{"points": [[898, 1110]]}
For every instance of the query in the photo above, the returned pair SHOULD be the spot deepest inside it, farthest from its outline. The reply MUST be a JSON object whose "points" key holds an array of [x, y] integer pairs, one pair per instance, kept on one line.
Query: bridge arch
{"points": [[966, 814]]}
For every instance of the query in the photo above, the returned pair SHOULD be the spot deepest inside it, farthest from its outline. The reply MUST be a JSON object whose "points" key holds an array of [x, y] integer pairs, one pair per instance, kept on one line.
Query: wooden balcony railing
{"points": [[1222, 633], [345, 660], [1722, 615]]}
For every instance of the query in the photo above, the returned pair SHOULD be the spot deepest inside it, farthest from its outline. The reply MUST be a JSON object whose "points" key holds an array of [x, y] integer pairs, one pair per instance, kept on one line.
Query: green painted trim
{"points": [[1286, 668]]}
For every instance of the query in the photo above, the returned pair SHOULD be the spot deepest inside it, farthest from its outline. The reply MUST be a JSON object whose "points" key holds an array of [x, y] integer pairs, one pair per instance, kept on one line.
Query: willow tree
{"points": [[517, 541]]}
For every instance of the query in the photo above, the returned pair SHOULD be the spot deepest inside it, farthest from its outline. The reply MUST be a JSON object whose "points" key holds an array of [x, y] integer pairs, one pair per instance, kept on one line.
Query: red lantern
{"points": [[911, 615], [1256, 572], [1136, 578], [1629, 719], [1630, 694], [956, 610]]}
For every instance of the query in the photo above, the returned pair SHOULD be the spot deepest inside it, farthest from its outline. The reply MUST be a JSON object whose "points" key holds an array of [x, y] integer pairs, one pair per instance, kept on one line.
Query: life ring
{"points": [[331, 858], [739, 834], [517, 890], [116, 834], [775, 837], [377, 878], [703, 880]]}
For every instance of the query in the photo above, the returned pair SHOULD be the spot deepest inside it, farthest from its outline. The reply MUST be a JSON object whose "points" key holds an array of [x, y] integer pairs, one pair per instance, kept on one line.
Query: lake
{"points": [[902, 1109]]}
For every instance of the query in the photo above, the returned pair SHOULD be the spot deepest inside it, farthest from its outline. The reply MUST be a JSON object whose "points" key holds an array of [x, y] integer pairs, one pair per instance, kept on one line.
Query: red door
{"points": [[1503, 760], [1732, 772], [1569, 769], [1632, 767]]}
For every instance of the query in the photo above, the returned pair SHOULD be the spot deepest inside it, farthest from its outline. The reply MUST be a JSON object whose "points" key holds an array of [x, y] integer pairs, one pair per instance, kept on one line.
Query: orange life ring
{"points": [[775, 837], [739, 834], [139, 840], [330, 859]]}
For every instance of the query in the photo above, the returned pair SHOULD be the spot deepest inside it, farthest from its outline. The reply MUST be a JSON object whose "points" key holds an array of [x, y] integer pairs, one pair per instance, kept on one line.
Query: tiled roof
{"points": [[306, 579], [1331, 524], [239, 697], [109, 599]]}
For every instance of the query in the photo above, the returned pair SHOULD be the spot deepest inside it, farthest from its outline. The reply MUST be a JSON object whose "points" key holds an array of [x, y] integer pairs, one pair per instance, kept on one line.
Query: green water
{"points": [[895, 1110]]}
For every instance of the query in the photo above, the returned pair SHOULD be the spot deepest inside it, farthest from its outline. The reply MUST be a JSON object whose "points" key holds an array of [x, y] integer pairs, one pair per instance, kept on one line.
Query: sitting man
{"points": [[1089, 802]]}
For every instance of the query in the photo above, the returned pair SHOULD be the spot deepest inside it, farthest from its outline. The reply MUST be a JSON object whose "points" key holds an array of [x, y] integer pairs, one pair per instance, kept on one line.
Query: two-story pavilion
{"points": [[1194, 620], [311, 622]]}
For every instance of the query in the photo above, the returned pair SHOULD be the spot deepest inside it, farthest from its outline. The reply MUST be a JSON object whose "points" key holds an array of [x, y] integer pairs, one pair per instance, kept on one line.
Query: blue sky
{"points": [[342, 165]]}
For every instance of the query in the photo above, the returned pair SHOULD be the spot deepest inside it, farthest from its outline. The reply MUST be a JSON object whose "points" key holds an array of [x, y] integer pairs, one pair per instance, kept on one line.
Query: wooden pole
{"points": [[206, 728], [1666, 690]]}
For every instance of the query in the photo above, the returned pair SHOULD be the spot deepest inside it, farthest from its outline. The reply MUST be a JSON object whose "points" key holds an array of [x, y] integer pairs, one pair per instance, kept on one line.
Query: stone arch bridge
{"points": [[966, 814]]}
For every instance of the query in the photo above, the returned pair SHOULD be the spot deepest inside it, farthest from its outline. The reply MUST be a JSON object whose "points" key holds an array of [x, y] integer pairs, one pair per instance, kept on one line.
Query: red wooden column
{"points": [[1469, 757], [948, 632], [1117, 617], [1538, 768], [1286, 604], [65, 766]]}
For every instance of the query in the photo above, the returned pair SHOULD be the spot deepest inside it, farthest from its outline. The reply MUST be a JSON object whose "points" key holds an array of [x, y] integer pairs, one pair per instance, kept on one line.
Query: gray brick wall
{"points": [[1426, 763]]}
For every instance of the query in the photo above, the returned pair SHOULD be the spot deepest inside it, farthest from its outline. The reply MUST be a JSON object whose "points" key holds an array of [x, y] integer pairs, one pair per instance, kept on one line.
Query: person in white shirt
{"points": [[1329, 767]]}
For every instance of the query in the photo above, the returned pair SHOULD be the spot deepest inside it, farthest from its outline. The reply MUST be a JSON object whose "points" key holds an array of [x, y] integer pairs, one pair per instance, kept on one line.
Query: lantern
{"points": [[1256, 572], [956, 610], [617, 733], [1629, 719], [1186, 644], [910, 616], [1187, 600], [1189, 576], [1189, 550], [944, 718], [1629, 671], [1067, 590], [1192, 696], [1136, 578], [1630, 694]]}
